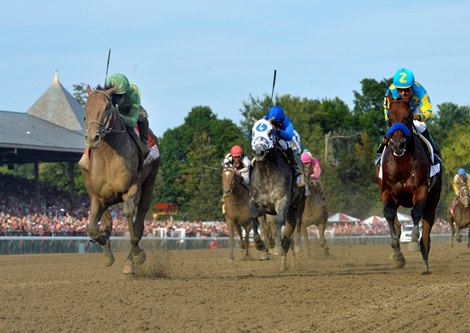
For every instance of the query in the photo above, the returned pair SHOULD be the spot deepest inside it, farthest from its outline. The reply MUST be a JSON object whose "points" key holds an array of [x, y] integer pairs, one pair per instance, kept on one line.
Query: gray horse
{"points": [[115, 175], [272, 189]]}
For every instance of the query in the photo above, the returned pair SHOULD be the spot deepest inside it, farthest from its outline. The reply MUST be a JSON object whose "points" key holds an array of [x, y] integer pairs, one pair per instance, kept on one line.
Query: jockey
{"points": [[127, 98], [405, 87], [311, 164], [240, 162], [460, 179], [285, 133]]}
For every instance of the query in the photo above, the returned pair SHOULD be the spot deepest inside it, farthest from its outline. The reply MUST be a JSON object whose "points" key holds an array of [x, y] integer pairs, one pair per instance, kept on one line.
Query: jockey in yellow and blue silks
{"points": [[405, 87], [285, 133]]}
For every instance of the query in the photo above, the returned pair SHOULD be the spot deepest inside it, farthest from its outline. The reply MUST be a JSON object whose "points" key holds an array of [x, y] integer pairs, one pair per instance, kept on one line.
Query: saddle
{"points": [[143, 149]]}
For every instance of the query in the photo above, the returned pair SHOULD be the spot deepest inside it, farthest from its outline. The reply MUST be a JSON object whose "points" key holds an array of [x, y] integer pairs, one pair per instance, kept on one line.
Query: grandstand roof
{"points": [[51, 131]]}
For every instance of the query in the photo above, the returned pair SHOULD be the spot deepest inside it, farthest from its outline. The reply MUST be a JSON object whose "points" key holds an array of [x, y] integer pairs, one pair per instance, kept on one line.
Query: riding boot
{"points": [[435, 148], [143, 125], [379, 152], [297, 167]]}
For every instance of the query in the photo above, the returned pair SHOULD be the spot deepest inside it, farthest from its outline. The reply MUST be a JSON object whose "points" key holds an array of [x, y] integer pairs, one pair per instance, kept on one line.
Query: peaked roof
{"points": [[51, 131], [57, 106]]}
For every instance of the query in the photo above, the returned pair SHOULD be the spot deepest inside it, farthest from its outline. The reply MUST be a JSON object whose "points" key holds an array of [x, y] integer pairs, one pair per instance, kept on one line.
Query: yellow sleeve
{"points": [[455, 185]]}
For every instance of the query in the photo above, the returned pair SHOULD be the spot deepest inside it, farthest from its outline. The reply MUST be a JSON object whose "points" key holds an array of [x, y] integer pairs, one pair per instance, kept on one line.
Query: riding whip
{"points": [[272, 92], [107, 67]]}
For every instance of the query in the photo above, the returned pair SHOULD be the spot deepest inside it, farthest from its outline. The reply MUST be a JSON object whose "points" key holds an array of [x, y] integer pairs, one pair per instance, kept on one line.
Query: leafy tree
{"points": [[368, 107], [79, 93]]}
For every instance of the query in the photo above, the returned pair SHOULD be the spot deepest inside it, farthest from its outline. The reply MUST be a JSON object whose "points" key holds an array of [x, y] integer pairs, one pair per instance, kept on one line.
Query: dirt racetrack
{"points": [[353, 290]]}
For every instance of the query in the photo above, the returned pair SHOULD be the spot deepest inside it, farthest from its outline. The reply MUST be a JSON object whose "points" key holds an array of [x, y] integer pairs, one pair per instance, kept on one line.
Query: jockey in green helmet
{"points": [[127, 98]]}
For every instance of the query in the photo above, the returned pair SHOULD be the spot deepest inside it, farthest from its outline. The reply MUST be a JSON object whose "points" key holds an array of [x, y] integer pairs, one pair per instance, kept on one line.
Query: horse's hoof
{"points": [[398, 261], [260, 245], [272, 243], [264, 257], [413, 246], [128, 268], [140, 258], [93, 233], [108, 260]]}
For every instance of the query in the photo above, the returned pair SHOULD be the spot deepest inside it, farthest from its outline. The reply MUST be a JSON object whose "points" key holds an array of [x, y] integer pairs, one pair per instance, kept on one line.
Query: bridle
{"points": [[399, 126], [108, 127]]}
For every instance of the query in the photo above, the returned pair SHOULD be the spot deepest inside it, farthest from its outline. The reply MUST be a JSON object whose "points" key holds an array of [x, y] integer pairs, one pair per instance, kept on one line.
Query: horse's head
{"points": [[464, 196], [400, 120], [98, 115], [263, 138], [229, 179]]}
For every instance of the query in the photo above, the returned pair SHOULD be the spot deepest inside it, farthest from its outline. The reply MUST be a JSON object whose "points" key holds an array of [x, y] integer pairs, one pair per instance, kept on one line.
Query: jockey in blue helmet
{"points": [[405, 87], [460, 179], [285, 132]]}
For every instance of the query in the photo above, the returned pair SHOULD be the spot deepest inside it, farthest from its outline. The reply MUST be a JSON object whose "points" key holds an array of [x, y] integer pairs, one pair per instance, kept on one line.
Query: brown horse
{"points": [[237, 212], [460, 216], [405, 181], [115, 175], [315, 213]]}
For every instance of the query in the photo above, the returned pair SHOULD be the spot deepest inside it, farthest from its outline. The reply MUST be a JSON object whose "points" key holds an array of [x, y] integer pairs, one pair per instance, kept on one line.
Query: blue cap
{"points": [[403, 78], [462, 172], [276, 113]]}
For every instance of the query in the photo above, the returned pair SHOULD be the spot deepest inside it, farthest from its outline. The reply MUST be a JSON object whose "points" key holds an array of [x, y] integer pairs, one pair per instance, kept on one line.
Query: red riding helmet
{"points": [[236, 151]]}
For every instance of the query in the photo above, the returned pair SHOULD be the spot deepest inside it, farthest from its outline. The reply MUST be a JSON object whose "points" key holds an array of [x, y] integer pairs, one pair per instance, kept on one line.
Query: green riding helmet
{"points": [[119, 81]]}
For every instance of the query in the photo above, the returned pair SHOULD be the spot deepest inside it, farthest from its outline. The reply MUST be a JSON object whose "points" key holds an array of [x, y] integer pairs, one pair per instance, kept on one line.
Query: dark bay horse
{"points": [[115, 175], [237, 213], [315, 213], [272, 189], [460, 217], [404, 181]]}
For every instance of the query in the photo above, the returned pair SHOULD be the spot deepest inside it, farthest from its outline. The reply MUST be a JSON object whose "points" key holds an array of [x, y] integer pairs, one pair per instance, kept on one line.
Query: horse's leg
{"points": [[468, 244], [298, 239], [231, 232], [96, 211], [268, 238], [425, 244], [260, 246], [286, 242], [108, 222], [246, 241], [395, 230], [323, 244], [450, 217], [416, 215]]}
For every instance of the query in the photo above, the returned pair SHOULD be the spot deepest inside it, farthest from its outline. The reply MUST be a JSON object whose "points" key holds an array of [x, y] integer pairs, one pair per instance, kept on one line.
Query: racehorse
{"points": [[116, 175], [315, 213], [404, 181], [272, 188], [237, 213], [460, 216]]}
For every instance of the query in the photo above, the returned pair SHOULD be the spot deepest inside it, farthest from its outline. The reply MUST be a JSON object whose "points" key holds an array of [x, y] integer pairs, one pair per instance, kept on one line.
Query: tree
{"points": [[368, 107], [80, 94]]}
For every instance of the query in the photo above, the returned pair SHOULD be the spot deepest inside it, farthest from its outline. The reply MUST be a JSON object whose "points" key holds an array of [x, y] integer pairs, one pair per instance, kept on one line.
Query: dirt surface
{"points": [[353, 290]]}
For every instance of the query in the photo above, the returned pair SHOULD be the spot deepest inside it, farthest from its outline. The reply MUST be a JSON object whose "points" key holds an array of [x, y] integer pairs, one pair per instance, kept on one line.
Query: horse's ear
{"points": [[110, 91], [88, 89]]}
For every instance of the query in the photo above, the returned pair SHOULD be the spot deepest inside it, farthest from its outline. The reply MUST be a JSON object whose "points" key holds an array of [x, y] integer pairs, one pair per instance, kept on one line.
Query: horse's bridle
{"points": [[399, 126], [105, 129]]}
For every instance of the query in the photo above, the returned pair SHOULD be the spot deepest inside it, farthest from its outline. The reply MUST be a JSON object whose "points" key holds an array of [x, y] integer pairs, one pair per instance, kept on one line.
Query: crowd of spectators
{"points": [[53, 215]]}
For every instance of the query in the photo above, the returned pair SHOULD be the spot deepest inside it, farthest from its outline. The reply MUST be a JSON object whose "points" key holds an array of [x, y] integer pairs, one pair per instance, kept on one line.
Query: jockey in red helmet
{"points": [[240, 162]]}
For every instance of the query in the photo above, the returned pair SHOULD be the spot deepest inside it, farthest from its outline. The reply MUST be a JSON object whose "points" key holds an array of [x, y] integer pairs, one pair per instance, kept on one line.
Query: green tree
{"points": [[79, 93]]}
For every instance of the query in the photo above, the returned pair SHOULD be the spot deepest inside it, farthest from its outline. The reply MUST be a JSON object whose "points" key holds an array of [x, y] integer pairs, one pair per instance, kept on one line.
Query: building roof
{"points": [[57, 106], [40, 135]]}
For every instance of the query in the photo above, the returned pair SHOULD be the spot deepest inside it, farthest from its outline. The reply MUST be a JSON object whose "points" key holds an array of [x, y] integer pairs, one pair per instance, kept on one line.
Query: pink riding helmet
{"points": [[306, 157]]}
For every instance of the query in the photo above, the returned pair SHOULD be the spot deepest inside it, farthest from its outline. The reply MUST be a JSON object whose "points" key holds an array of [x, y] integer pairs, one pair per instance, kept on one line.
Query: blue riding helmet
{"points": [[462, 172], [277, 113], [403, 78]]}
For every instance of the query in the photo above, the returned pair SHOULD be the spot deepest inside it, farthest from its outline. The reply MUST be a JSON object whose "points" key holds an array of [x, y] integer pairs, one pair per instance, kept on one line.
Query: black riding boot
{"points": [[143, 125], [299, 178], [437, 150]]}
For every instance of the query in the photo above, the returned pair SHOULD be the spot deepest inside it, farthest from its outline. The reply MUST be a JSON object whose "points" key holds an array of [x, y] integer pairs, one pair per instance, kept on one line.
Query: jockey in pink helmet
{"points": [[312, 166]]}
